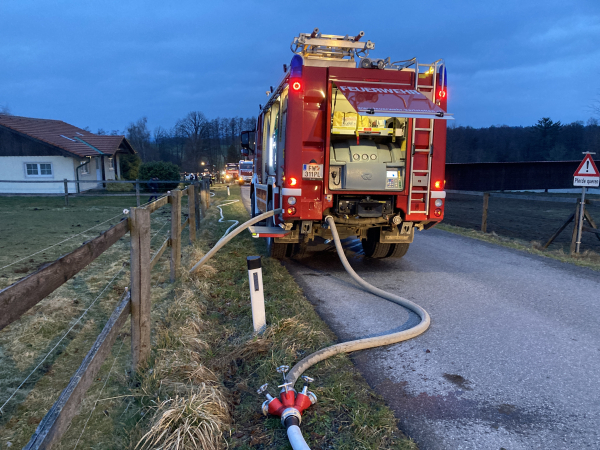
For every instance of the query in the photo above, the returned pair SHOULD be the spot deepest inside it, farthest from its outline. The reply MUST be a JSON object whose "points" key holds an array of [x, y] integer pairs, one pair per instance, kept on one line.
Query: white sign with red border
{"points": [[587, 174]]}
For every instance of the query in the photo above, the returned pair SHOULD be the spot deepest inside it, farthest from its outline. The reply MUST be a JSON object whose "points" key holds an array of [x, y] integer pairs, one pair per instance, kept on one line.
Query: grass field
{"points": [[33, 224], [525, 220]]}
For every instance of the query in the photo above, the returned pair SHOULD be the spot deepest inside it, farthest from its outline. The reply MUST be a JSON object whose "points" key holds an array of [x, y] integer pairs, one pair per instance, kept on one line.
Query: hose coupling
{"points": [[291, 412]]}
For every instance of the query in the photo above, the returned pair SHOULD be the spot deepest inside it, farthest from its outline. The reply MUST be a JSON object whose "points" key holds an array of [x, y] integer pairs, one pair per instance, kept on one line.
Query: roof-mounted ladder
{"points": [[329, 46]]}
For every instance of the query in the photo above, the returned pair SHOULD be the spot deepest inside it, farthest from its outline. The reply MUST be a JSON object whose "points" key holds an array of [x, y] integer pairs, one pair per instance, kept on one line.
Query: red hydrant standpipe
{"points": [[289, 406]]}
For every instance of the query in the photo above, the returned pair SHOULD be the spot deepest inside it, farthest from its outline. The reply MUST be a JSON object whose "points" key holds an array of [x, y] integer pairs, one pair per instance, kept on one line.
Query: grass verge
{"points": [[204, 344], [587, 258]]}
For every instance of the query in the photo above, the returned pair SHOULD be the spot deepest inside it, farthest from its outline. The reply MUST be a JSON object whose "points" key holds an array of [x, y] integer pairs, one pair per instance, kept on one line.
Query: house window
{"points": [[38, 169], [85, 168], [111, 163]]}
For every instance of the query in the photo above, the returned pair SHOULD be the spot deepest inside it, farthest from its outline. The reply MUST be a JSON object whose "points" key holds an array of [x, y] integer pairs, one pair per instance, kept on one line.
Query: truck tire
{"points": [[275, 250], [372, 247], [398, 250]]}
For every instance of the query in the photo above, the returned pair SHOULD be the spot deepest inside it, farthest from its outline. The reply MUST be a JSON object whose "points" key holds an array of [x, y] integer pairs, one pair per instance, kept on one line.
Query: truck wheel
{"points": [[372, 247], [398, 250], [299, 250], [275, 250]]}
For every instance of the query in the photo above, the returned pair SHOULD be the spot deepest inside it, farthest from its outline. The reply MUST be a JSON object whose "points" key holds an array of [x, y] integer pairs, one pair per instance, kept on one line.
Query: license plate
{"points": [[312, 171]]}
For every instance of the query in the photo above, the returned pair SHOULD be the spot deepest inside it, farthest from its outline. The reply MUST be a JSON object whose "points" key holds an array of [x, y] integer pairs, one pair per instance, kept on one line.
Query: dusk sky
{"points": [[104, 64]]}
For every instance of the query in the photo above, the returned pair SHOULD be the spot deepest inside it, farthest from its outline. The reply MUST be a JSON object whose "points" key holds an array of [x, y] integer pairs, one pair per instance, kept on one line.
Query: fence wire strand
{"points": [[61, 242], [100, 393], [61, 339]]}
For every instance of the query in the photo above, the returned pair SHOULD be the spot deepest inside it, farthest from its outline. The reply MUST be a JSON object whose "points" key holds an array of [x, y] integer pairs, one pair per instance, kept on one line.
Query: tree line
{"points": [[546, 140], [193, 140]]}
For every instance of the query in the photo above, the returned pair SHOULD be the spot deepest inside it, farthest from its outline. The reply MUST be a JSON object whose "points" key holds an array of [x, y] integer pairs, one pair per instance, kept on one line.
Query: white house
{"points": [[51, 150]]}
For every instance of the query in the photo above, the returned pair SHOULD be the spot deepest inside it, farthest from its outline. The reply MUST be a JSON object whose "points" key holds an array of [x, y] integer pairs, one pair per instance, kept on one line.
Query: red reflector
{"points": [[293, 181], [291, 210], [438, 212], [296, 85], [437, 184]]}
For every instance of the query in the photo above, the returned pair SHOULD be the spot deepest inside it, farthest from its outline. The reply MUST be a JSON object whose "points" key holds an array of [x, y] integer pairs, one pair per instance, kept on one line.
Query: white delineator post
{"points": [[228, 193], [257, 297]]}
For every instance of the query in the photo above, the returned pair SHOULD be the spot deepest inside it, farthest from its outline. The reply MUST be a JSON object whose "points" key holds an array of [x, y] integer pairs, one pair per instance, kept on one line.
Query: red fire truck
{"points": [[358, 138], [231, 174]]}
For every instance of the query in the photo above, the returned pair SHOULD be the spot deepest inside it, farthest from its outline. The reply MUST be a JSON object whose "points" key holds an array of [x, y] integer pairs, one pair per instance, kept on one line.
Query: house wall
{"points": [[13, 168], [84, 177]]}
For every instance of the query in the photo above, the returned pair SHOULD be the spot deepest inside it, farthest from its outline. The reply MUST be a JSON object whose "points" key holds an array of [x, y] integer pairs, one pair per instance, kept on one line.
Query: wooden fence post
{"points": [[137, 192], [140, 285], [66, 192], [575, 228], [175, 233], [486, 200], [197, 204], [192, 212]]}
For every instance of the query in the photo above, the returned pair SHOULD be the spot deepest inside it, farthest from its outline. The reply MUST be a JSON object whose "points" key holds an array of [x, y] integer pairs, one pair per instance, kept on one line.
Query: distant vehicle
{"points": [[246, 171], [351, 137], [231, 172]]}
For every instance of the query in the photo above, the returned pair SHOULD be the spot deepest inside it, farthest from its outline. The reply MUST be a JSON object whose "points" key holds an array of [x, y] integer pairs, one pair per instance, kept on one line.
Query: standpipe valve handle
{"points": [[285, 386], [283, 370], [262, 389], [307, 381]]}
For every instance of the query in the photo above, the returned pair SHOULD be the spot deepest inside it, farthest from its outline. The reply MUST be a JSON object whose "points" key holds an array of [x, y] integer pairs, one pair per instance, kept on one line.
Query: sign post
{"points": [[586, 175]]}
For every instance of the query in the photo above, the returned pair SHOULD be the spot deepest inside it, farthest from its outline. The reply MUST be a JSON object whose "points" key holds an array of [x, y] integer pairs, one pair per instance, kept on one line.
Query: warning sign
{"points": [[587, 174]]}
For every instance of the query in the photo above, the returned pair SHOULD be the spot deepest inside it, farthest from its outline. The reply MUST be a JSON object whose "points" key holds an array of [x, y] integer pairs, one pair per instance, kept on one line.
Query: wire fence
{"points": [[142, 237]]}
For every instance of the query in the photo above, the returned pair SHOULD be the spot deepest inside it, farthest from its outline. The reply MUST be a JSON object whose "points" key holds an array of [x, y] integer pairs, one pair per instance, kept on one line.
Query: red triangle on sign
{"points": [[587, 168]]}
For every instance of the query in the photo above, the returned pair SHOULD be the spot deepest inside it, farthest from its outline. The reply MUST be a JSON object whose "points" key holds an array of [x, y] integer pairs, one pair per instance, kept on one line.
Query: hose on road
{"points": [[362, 344]]}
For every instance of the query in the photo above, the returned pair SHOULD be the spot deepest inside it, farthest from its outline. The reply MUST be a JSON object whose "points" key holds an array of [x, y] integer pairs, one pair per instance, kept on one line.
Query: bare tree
{"points": [[139, 137], [4, 109], [192, 127]]}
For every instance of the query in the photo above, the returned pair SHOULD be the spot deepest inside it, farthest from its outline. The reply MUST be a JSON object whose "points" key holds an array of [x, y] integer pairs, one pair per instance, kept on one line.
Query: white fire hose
{"points": [[294, 433]]}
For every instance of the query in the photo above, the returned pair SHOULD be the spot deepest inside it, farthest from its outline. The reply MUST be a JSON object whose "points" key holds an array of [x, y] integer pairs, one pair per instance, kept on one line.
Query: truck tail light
{"points": [[293, 181], [437, 184], [297, 85], [438, 212], [441, 94], [291, 210], [291, 200]]}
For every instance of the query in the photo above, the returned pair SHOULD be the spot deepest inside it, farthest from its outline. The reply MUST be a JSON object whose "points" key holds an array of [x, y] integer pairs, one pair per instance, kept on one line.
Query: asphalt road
{"points": [[512, 358]]}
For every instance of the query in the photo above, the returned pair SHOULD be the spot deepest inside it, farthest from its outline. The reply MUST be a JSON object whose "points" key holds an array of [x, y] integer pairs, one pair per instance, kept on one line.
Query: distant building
{"points": [[41, 149]]}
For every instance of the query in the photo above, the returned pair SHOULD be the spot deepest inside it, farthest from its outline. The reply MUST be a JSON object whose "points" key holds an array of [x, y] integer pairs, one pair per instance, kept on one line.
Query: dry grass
{"points": [[586, 258], [194, 421]]}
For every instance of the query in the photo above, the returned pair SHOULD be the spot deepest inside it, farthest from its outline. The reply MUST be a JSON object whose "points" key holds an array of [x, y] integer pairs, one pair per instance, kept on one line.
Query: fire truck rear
{"points": [[353, 137], [246, 171]]}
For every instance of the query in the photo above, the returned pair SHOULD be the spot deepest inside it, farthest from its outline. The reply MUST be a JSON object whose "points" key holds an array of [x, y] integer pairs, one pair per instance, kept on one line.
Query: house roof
{"points": [[66, 137]]}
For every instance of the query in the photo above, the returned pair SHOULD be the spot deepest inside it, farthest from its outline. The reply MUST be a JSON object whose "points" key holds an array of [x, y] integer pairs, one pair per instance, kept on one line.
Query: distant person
{"points": [[192, 177], [153, 186], [186, 176]]}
